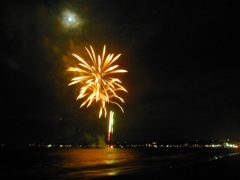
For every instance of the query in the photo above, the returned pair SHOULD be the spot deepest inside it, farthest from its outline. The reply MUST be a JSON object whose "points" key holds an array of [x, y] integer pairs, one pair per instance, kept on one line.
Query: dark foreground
{"points": [[115, 163], [228, 167]]}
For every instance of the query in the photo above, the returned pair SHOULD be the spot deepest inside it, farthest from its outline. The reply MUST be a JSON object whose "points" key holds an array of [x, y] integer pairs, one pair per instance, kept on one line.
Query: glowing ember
{"points": [[97, 84]]}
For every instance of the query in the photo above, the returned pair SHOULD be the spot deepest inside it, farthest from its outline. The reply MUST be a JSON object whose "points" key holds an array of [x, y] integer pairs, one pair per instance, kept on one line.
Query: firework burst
{"points": [[97, 84]]}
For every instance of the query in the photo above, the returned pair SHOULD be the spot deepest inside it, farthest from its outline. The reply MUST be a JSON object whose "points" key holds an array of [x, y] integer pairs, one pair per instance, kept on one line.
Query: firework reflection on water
{"points": [[103, 162]]}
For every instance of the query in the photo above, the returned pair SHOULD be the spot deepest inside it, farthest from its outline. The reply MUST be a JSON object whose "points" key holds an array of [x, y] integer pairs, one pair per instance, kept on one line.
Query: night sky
{"points": [[181, 58]]}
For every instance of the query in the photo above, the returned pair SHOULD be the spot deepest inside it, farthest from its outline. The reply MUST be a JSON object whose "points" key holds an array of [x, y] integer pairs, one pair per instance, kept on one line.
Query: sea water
{"points": [[87, 163]]}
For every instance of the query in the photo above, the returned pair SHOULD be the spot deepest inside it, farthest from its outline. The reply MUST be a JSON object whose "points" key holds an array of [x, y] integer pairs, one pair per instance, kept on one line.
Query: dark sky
{"points": [[182, 62]]}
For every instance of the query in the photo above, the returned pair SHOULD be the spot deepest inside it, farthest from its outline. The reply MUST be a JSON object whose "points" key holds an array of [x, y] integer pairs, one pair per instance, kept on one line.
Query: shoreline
{"points": [[227, 167], [150, 164]]}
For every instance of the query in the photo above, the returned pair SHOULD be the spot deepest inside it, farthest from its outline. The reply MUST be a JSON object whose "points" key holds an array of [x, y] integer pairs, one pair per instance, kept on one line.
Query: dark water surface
{"points": [[81, 163]]}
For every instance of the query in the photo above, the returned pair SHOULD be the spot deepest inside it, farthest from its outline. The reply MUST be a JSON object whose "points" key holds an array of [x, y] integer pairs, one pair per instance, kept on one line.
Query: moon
{"points": [[70, 19]]}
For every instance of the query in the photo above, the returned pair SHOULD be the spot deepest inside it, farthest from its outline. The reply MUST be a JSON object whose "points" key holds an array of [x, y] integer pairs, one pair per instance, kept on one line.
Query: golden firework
{"points": [[95, 78]]}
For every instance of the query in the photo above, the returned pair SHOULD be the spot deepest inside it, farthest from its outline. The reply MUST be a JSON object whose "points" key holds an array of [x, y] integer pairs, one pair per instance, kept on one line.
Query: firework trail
{"points": [[110, 127], [96, 81]]}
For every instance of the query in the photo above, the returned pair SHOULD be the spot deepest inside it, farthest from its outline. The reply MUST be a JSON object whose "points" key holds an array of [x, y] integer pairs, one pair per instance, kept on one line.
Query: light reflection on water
{"points": [[98, 162], [89, 163], [81, 163]]}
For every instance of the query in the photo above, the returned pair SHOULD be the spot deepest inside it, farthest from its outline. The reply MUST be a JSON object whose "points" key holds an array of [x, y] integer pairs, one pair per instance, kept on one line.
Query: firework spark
{"points": [[110, 127], [95, 78]]}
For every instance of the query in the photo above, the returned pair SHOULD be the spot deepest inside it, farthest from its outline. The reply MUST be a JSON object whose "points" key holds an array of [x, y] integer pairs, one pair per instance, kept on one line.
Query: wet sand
{"points": [[227, 167]]}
